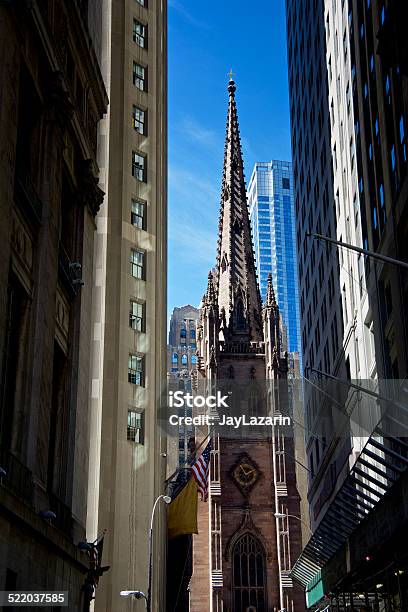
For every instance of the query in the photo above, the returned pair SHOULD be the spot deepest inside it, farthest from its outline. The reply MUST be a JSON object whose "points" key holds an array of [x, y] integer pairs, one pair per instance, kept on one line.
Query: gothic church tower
{"points": [[243, 553]]}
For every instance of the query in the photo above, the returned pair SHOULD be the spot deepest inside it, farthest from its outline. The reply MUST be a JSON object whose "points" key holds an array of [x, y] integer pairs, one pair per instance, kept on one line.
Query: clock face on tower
{"points": [[245, 474]]}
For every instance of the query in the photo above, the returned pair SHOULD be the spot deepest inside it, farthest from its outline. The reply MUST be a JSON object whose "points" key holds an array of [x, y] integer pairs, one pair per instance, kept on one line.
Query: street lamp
{"points": [[135, 594], [140, 594], [166, 500], [279, 515], [353, 247]]}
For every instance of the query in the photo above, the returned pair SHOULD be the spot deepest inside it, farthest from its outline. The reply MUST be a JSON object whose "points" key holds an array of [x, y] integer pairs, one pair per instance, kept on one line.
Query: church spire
{"points": [[270, 301], [237, 288], [210, 294]]}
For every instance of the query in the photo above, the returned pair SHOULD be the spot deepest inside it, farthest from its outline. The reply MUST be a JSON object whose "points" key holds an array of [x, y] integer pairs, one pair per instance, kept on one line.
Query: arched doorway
{"points": [[248, 578]]}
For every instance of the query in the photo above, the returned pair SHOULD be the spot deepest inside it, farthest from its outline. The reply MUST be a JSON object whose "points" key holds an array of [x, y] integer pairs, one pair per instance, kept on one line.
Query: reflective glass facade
{"points": [[271, 207]]}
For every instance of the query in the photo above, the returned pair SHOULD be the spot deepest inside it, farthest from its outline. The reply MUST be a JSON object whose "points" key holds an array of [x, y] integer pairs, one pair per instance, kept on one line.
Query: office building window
{"points": [[393, 159], [137, 317], [174, 358], [402, 137], [388, 89], [139, 76], [138, 264], [139, 120], [285, 183], [135, 426], [381, 191], [138, 214], [136, 370], [184, 360], [139, 34], [17, 337], [139, 166], [142, 2]]}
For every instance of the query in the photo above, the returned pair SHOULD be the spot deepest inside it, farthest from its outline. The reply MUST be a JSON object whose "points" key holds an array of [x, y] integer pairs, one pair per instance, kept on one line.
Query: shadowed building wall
{"points": [[52, 98]]}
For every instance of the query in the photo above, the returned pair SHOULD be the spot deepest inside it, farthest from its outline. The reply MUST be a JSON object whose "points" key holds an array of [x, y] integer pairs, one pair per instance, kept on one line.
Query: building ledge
{"points": [[27, 520]]}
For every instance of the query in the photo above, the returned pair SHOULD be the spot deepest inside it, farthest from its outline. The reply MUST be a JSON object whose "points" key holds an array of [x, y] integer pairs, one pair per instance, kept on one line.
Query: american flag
{"points": [[201, 469]]}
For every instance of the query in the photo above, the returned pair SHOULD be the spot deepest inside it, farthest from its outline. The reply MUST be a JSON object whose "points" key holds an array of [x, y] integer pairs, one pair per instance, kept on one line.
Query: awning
{"points": [[379, 465], [314, 590]]}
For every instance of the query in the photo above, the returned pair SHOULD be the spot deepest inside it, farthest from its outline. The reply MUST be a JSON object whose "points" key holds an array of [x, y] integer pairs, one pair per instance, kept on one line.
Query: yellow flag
{"points": [[182, 512]]}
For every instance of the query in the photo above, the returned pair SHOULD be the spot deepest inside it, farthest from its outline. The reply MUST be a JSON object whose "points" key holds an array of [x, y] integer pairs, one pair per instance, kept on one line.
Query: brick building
{"points": [[52, 97], [242, 554]]}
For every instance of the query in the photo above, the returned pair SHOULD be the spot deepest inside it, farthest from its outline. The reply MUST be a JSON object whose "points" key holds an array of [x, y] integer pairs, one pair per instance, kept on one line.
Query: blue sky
{"points": [[205, 41]]}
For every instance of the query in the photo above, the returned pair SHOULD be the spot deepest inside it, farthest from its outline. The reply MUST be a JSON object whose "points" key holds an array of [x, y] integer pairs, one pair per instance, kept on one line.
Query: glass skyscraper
{"points": [[271, 207]]}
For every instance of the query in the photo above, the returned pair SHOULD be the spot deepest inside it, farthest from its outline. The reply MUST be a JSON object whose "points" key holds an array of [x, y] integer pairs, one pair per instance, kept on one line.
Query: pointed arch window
{"points": [[224, 263], [240, 315], [248, 574]]}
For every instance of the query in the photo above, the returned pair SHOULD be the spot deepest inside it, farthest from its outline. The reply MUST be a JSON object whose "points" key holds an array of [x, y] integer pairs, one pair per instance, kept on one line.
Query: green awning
{"points": [[314, 590]]}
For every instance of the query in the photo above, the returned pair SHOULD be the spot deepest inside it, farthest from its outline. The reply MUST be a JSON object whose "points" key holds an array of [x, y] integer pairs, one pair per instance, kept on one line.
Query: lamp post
{"points": [[140, 594], [353, 247], [166, 500], [279, 515]]}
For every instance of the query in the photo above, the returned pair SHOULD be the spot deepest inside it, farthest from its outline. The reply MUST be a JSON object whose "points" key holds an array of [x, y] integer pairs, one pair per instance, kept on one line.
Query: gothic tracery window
{"points": [[248, 574]]}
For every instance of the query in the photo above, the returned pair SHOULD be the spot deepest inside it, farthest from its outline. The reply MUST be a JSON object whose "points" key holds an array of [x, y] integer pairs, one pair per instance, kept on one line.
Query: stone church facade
{"points": [[243, 553]]}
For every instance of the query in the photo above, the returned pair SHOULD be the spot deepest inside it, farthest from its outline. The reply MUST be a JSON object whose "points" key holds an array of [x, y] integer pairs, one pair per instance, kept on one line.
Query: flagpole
{"points": [[186, 466]]}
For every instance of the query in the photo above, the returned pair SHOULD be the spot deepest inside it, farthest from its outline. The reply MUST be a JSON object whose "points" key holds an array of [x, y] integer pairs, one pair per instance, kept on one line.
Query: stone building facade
{"points": [[51, 98], [182, 346], [252, 478], [181, 373], [127, 449]]}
